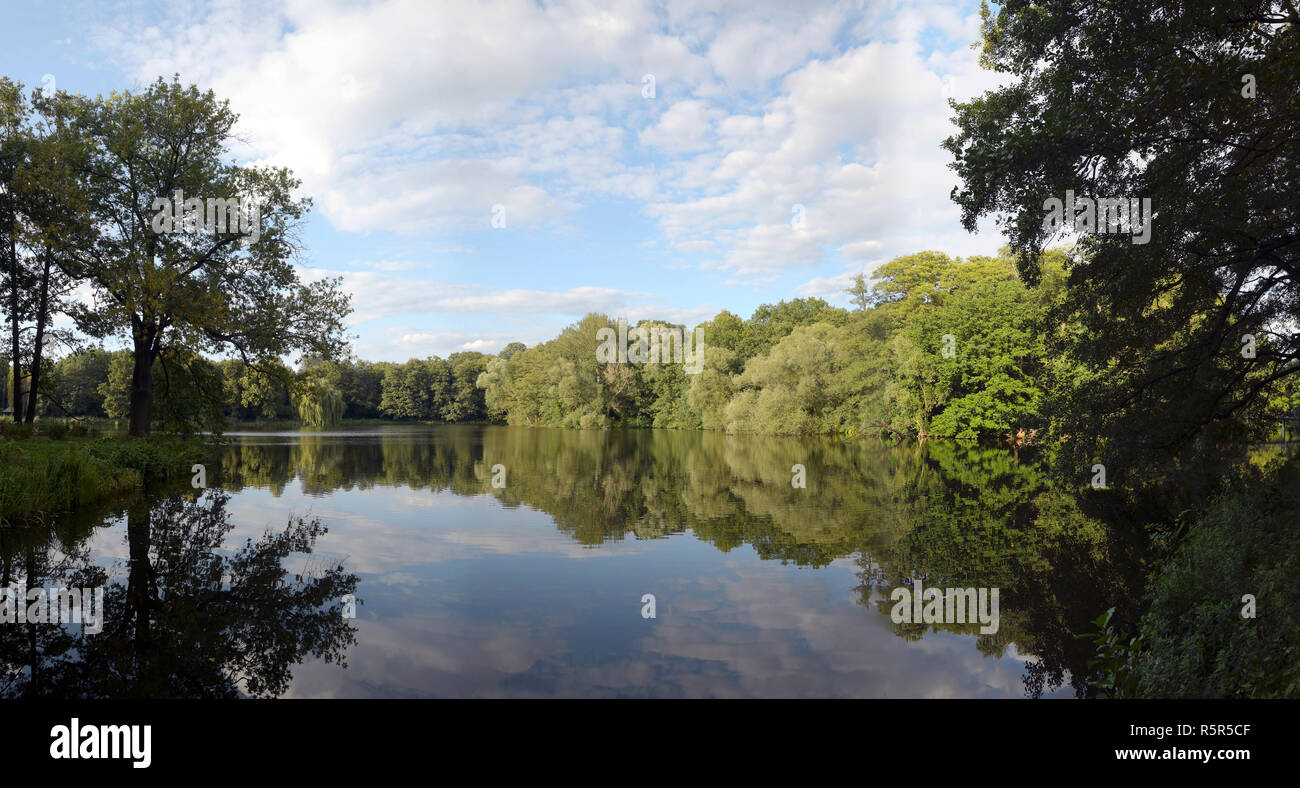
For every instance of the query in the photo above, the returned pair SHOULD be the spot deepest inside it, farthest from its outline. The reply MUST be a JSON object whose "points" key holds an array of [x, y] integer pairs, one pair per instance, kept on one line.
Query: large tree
{"points": [[39, 202], [207, 287], [15, 279], [1194, 107]]}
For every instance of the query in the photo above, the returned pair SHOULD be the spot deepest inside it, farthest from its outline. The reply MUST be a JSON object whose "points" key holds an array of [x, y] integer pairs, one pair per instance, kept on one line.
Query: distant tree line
{"points": [[937, 346], [198, 393]]}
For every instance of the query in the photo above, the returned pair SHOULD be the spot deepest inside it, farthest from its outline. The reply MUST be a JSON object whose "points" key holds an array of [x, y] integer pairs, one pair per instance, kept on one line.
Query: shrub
{"points": [[1198, 643], [9, 429], [39, 478]]}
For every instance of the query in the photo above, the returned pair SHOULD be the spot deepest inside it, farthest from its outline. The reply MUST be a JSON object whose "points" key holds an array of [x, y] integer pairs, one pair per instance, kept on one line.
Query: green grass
{"points": [[42, 476]]}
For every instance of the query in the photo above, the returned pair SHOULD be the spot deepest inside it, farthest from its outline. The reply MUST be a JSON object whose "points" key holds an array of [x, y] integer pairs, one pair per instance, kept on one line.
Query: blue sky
{"points": [[784, 146]]}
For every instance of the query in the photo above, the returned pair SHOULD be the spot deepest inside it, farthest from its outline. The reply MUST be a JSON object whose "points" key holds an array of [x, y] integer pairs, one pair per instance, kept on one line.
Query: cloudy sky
{"points": [[646, 159]]}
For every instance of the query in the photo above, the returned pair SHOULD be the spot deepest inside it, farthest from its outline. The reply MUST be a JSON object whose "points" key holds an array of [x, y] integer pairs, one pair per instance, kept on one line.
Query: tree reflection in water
{"points": [[958, 515], [189, 620], [186, 620]]}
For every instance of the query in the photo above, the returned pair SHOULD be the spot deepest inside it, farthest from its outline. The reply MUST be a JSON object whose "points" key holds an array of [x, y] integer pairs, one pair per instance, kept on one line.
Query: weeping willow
{"points": [[320, 405]]}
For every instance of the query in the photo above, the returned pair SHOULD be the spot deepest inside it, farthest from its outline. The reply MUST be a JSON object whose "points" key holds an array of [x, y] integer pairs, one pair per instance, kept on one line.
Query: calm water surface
{"points": [[761, 589]]}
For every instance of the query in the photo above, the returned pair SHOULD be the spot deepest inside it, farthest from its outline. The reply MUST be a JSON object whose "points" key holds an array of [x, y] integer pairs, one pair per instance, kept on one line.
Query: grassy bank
{"points": [[41, 476]]}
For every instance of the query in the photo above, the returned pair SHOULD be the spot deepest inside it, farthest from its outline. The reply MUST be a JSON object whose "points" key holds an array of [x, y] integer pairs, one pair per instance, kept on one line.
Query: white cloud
{"points": [[391, 265], [420, 120], [831, 288], [854, 139], [685, 127], [748, 52]]}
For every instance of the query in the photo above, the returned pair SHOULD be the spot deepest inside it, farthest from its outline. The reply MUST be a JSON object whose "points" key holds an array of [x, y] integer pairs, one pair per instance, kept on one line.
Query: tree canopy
{"points": [[206, 289], [1193, 107]]}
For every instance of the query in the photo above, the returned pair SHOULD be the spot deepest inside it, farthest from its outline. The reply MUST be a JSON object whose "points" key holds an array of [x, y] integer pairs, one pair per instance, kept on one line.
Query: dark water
{"points": [[761, 589]]}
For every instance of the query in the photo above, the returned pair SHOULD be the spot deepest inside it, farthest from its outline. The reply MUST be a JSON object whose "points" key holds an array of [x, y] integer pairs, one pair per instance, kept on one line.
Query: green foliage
{"points": [[788, 391], [988, 386], [319, 404], [796, 367], [189, 391], [912, 282], [115, 391], [418, 389], [466, 401], [561, 382], [73, 386], [40, 478], [771, 323], [1115, 660], [257, 391], [361, 384], [709, 392], [1199, 644], [805, 367], [1141, 364], [1141, 100], [186, 293]]}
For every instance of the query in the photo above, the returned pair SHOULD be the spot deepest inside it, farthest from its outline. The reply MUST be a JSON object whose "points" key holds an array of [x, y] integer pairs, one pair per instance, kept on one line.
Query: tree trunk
{"points": [[13, 320], [42, 305], [142, 384]]}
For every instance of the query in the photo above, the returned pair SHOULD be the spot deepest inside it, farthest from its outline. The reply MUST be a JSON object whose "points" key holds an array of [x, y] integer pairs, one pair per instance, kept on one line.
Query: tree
{"points": [[726, 331], [989, 383], [466, 401], [787, 390], [968, 366], [74, 387], [361, 384], [860, 292], [418, 389], [771, 322], [115, 391], [205, 288], [709, 392], [54, 208], [189, 392], [13, 120], [261, 391], [1192, 107], [319, 403], [911, 281]]}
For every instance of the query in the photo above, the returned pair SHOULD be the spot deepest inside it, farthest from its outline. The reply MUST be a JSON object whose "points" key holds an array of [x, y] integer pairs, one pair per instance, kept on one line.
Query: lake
{"points": [[494, 561]]}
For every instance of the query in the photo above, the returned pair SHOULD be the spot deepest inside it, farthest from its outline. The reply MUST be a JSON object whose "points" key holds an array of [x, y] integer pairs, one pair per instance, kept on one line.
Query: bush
{"points": [[9, 429], [1197, 642], [56, 431], [40, 478]]}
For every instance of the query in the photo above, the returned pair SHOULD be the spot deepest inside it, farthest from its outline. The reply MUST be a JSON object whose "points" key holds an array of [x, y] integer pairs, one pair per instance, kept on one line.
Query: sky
{"points": [[483, 173]]}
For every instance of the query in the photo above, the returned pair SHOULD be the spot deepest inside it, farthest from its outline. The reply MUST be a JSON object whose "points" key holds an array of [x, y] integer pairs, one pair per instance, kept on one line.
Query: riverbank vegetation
{"points": [[1145, 369], [42, 477]]}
